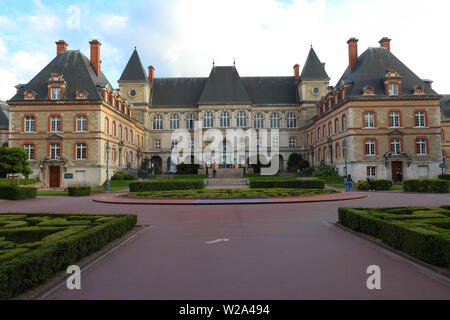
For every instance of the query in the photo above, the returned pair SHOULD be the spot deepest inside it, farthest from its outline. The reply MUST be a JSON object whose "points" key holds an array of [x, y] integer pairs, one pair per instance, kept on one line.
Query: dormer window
{"points": [[419, 90], [56, 93], [81, 94], [393, 89], [29, 95], [368, 90], [393, 83]]}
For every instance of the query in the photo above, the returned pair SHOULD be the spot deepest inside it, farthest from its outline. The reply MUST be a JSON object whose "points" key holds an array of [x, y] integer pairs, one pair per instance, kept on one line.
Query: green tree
{"points": [[14, 161], [296, 161]]}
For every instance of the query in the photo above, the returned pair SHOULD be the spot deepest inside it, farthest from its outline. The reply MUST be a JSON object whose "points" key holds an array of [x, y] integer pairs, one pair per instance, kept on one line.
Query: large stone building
{"points": [[391, 121]]}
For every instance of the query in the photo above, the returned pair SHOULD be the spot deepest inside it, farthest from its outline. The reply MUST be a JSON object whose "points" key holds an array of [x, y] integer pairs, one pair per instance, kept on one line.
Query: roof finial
{"points": [[214, 63], [311, 43], [234, 62]]}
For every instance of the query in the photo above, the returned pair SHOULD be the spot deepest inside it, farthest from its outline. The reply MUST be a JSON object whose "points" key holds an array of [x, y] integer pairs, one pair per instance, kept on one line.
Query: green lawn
{"points": [[115, 185], [336, 182], [228, 193], [258, 177]]}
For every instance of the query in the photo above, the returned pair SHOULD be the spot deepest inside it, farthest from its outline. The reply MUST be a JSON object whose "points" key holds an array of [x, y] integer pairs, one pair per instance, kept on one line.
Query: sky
{"points": [[182, 38]]}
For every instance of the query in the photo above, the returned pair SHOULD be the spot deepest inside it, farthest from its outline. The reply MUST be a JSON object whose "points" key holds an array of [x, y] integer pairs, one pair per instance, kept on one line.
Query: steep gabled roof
{"points": [[224, 86], [77, 72], [271, 90], [134, 71], [371, 68], [313, 69], [445, 106], [177, 92]]}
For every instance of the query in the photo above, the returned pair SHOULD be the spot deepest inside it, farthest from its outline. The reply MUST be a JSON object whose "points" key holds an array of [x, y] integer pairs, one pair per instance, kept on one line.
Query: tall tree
{"points": [[14, 161]]}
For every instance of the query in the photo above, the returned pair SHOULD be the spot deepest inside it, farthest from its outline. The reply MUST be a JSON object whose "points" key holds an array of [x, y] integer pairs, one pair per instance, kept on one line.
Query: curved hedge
{"points": [[166, 185], [79, 191], [17, 193], [363, 185], [427, 185], [300, 184]]}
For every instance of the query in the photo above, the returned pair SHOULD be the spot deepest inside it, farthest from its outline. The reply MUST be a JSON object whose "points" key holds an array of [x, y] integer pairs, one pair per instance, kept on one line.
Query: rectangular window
{"points": [[371, 171], [336, 126], [421, 146], [292, 142], [393, 89], [55, 151], [29, 148], [369, 120], [55, 124], [56, 93], [29, 124], [420, 119], [174, 144], [157, 144], [344, 123], [423, 172], [81, 151], [81, 123], [396, 146], [394, 119], [370, 147]]}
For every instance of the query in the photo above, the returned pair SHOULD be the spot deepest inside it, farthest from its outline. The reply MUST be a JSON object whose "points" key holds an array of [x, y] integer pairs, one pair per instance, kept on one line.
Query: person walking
{"points": [[349, 184], [371, 184], [214, 173]]}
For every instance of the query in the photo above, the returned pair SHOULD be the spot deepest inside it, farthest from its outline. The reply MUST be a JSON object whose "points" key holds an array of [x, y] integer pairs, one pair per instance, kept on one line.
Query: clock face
{"points": [[315, 91], [132, 93]]}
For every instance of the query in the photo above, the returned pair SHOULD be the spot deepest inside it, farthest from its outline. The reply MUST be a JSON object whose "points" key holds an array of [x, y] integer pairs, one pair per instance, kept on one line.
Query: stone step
{"points": [[226, 182], [229, 173]]}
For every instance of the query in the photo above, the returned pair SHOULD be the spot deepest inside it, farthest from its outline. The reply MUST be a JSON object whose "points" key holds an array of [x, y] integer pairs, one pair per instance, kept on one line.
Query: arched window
{"points": [[114, 132], [120, 132], [208, 120], [275, 121], [241, 120], [190, 121], [291, 120], [174, 122], [157, 122], [225, 120], [259, 121], [338, 152], [126, 134]]}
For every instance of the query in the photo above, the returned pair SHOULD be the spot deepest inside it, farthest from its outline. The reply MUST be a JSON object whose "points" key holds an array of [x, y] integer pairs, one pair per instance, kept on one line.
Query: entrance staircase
{"points": [[228, 178]]}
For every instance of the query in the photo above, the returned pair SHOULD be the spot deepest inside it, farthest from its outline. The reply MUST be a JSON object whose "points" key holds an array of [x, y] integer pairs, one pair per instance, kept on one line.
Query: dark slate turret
{"points": [[134, 71], [314, 69]]}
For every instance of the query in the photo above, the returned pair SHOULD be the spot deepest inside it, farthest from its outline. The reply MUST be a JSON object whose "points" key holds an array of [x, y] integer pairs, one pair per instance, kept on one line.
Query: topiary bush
{"points": [[324, 171], [444, 176], [118, 176], [166, 185], [81, 191], [363, 185], [300, 184], [426, 185], [17, 193]]}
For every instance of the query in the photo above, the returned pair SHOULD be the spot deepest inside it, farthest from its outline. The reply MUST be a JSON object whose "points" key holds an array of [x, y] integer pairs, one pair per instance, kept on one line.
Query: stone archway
{"points": [[157, 164]]}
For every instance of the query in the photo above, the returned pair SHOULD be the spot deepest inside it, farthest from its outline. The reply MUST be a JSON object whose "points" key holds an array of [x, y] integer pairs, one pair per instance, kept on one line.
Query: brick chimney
{"points": [[95, 56], [297, 72], [151, 73], [324, 64], [61, 46], [386, 43], [352, 52]]}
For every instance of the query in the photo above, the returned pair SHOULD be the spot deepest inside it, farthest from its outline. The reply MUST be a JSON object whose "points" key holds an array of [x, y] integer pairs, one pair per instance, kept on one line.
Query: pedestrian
{"points": [[371, 184], [214, 173], [349, 183]]}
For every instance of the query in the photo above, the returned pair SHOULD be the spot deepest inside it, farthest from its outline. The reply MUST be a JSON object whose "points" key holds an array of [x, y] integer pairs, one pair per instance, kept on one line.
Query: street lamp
{"points": [[344, 146], [107, 165]]}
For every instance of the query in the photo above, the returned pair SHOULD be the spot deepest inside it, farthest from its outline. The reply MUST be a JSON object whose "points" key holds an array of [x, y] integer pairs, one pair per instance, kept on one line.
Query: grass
{"points": [[115, 185], [228, 193], [258, 177], [336, 182]]}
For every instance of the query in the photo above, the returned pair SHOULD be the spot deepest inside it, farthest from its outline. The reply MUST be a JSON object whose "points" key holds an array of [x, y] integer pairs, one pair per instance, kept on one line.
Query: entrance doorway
{"points": [[397, 171], [55, 177]]}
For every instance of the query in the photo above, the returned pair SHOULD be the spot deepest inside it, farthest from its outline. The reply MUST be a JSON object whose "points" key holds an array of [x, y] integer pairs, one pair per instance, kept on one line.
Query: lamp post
{"points": [[344, 146], [107, 165]]}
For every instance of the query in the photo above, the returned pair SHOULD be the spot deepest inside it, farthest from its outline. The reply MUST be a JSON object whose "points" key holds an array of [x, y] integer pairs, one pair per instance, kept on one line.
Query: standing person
{"points": [[346, 184], [371, 184], [214, 173], [350, 183]]}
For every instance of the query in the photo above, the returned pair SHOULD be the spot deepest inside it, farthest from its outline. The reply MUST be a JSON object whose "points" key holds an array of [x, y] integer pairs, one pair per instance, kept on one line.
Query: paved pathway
{"points": [[280, 251]]}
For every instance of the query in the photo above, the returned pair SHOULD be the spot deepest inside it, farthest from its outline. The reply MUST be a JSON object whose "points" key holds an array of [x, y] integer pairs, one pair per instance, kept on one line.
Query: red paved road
{"points": [[288, 251]]}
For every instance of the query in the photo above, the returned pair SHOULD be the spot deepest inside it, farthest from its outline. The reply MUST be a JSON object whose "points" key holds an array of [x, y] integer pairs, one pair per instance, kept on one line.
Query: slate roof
{"points": [[371, 69], [313, 69], [445, 106], [134, 71], [224, 86], [4, 121], [77, 72]]}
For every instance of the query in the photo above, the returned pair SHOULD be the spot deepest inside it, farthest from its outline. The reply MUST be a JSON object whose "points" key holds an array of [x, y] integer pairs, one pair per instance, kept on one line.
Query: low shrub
{"points": [[444, 176], [426, 185], [324, 171], [166, 185], [79, 191], [300, 184], [17, 193], [121, 176], [426, 239], [363, 185], [33, 267]]}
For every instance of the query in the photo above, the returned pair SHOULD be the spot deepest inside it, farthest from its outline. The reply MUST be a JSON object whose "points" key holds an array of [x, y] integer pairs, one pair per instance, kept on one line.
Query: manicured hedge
{"points": [[379, 185], [427, 185], [444, 176], [123, 176], [426, 239], [17, 193], [300, 184], [166, 185], [36, 266], [79, 191]]}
